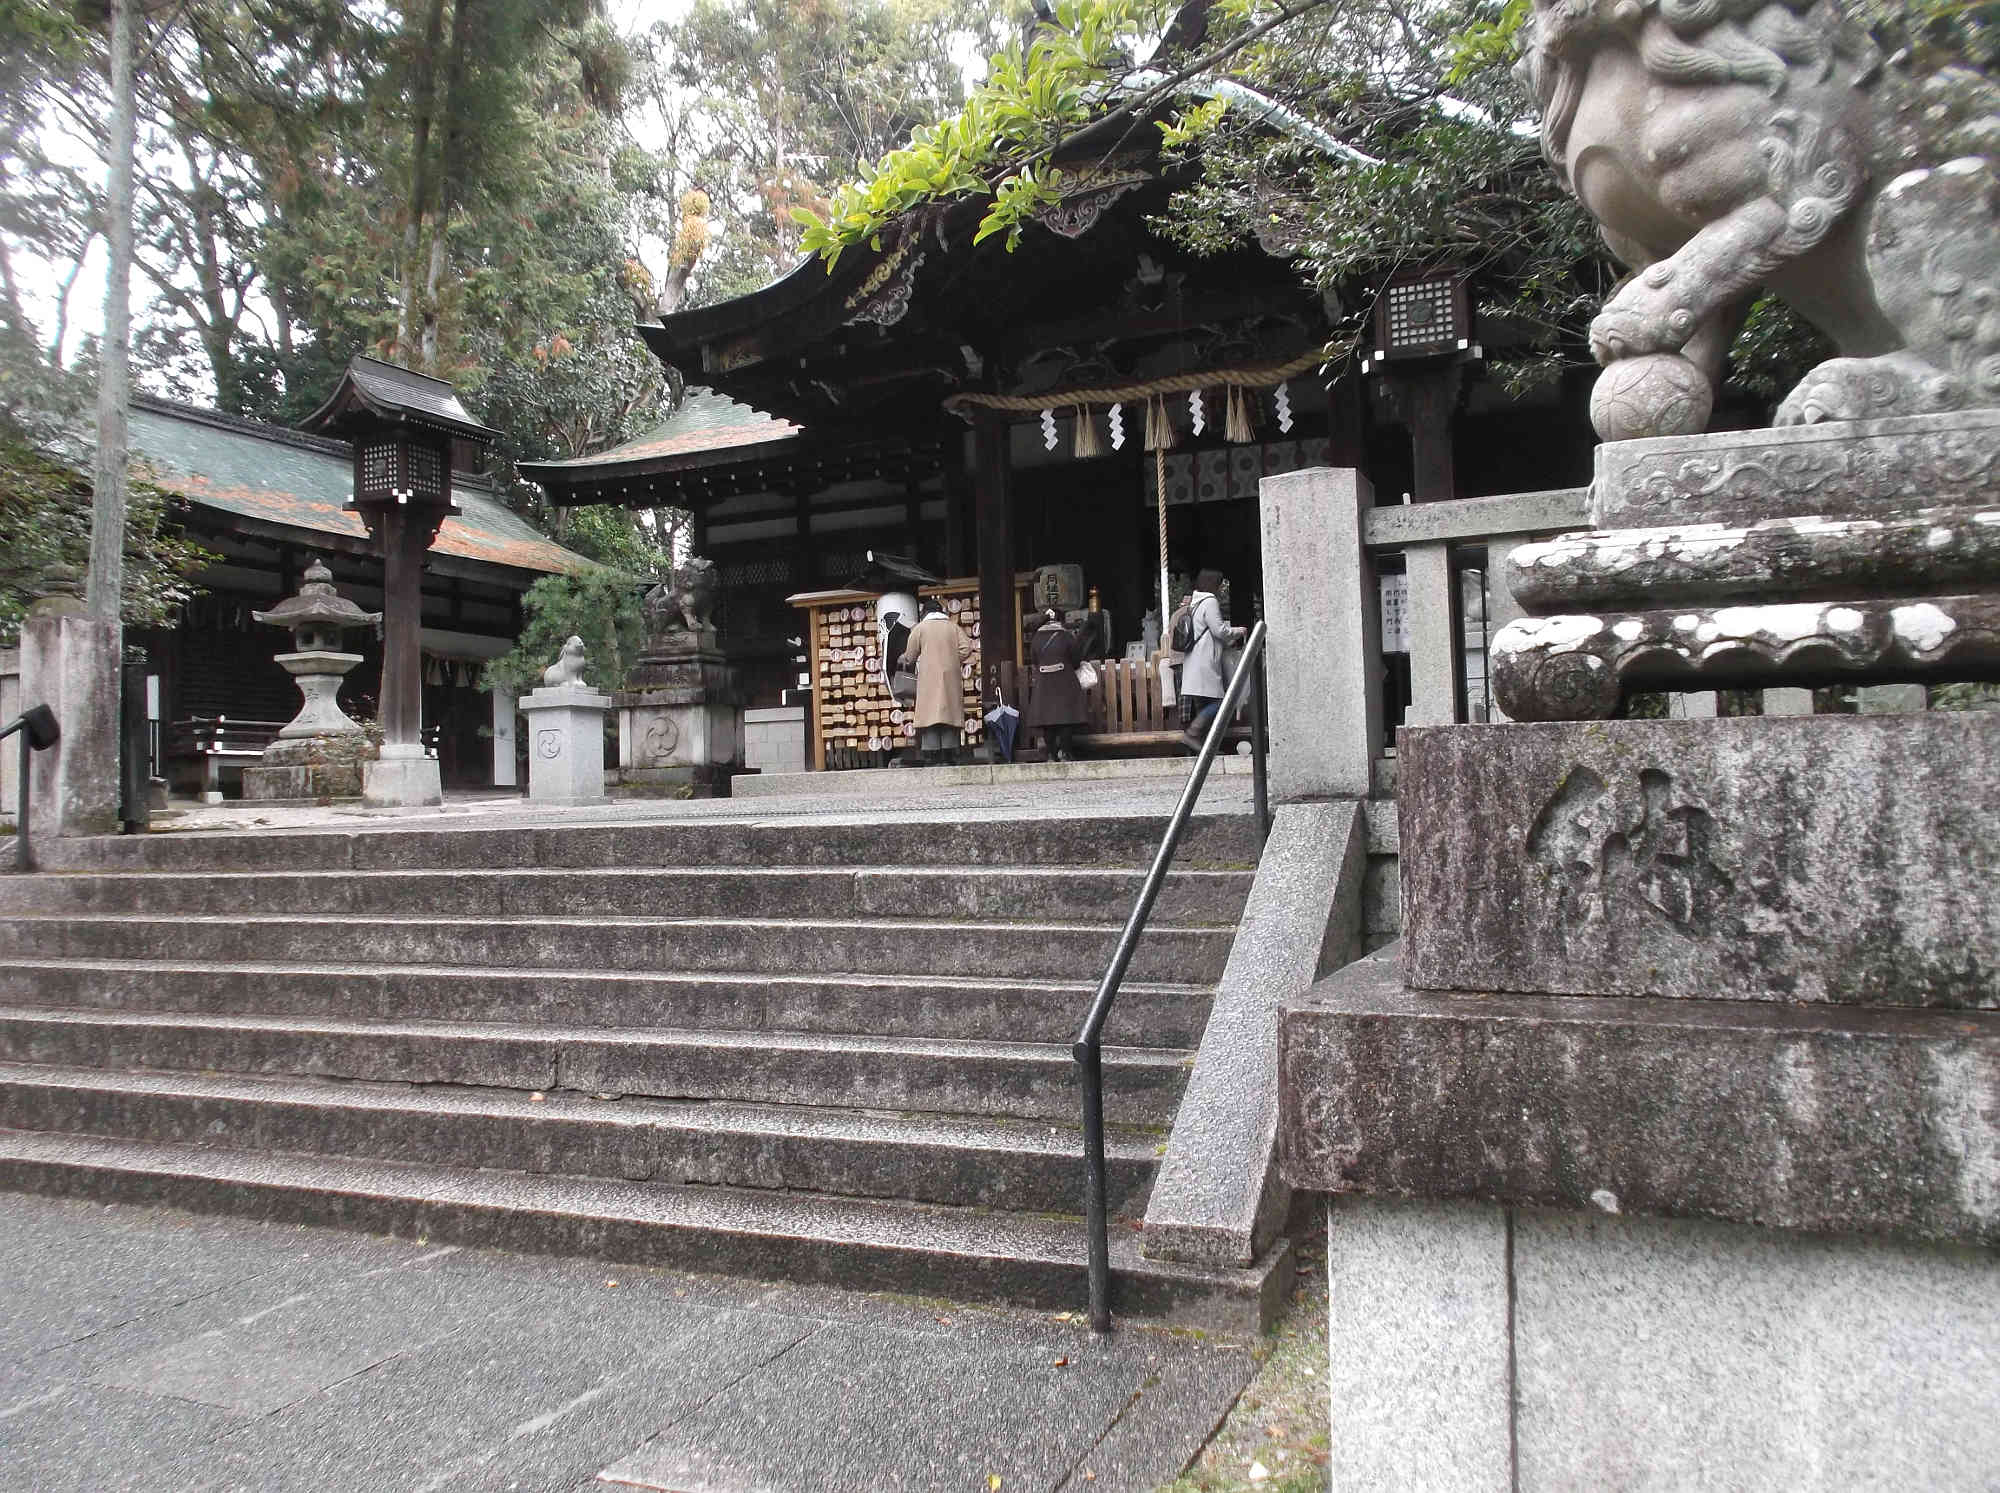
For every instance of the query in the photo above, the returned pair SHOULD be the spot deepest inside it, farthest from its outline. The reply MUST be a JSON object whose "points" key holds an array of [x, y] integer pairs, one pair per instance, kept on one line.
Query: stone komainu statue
{"points": [[568, 667], [685, 602], [1729, 145]]}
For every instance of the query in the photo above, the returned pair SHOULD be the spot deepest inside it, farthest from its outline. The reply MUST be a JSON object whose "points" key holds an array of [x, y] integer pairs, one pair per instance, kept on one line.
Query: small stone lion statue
{"points": [[1729, 145], [568, 667], [685, 602]]}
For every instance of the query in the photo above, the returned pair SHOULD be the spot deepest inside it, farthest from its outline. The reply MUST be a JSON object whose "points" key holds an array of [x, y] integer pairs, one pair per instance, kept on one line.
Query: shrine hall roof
{"points": [[266, 474], [704, 423]]}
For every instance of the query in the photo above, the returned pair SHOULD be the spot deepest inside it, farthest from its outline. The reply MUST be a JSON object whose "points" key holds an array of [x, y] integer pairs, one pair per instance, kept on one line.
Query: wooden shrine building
{"points": [[987, 412]]}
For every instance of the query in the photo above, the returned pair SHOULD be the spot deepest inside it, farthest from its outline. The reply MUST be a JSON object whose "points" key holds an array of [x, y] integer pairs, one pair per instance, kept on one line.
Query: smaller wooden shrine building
{"points": [[268, 500]]}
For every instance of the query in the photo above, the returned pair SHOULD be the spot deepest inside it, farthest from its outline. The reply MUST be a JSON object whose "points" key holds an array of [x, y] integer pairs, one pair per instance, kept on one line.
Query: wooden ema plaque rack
{"points": [[855, 722]]}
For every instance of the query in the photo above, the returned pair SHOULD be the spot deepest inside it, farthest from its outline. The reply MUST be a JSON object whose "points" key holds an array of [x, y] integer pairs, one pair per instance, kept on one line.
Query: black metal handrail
{"points": [[38, 731], [1088, 1049]]}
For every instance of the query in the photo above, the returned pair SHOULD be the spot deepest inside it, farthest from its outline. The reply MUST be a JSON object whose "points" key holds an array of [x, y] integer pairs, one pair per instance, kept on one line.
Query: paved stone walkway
{"points": [[915, 798], [144, 1348]]}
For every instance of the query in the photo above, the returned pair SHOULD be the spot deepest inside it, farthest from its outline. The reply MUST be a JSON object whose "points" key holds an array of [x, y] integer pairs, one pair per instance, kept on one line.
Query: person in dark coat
{"points": [[1057, 706]]}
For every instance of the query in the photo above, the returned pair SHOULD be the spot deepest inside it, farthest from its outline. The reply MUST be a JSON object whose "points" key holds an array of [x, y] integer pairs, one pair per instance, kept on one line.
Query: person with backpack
{"points": [[1204, 677]]}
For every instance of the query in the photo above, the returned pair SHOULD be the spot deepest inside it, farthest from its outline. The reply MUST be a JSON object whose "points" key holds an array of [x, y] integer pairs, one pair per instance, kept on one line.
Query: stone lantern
{"points": [[320, 753], [407, 431]]}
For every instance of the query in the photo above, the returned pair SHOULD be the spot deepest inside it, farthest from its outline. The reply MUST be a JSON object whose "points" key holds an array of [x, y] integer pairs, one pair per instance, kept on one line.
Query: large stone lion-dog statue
{"points": [[685, 601], [1729, 145]]}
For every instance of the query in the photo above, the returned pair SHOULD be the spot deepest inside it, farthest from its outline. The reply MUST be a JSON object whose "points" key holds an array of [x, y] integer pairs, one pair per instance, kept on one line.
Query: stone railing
{"points": [[1323, 537]]}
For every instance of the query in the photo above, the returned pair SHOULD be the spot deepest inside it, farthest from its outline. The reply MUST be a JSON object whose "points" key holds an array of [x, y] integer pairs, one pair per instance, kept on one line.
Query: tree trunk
{"points": [[423, 106], [466, 18], [10, 295], [61, 333], [114, 379]]}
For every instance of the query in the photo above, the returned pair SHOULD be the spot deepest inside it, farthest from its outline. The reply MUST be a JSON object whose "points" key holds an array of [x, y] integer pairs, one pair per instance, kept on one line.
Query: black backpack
{"points": [[1180, 636]]}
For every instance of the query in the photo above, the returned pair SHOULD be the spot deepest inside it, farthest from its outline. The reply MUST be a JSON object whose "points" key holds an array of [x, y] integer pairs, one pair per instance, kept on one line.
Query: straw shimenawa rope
{"points": [[1179, 383]]}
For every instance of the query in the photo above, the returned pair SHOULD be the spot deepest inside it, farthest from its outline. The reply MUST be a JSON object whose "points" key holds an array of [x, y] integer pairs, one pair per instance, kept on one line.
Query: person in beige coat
{"points": [[939, 651]]}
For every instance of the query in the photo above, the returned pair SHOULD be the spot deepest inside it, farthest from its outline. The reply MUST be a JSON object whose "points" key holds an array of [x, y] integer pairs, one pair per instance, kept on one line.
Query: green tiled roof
{"points": [[304, 482], [705, 422]]}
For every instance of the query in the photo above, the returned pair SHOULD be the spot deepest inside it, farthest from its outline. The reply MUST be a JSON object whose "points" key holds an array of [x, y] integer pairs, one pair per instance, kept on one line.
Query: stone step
{"points": [[964, 1254], [1062, 893], [1213, 841], [1047, 950], [1019, 1079], [1148, 1014], [1025, 1166]]}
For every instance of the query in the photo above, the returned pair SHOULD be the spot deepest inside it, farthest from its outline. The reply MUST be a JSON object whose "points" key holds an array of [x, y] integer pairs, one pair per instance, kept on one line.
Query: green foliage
{"points": [[638, 544], [1426, 90], [1487, 44], [633, 551], [45, 502], [601, 606], [1775, 349], [1965, 697], [1033, 98], [779, 99]]}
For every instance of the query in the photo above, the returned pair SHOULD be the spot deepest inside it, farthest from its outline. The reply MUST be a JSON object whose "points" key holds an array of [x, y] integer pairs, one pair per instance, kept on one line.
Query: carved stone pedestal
{"points": [[566, 744], [679, 717], [402, 776], [1691, 1018], [311, 768], [1691, 1050], [1861, 553], [320, 753]]}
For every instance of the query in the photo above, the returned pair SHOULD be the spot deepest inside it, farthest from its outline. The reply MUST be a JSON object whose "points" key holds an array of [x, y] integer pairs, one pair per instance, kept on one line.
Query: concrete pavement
{"points": [[145, 1348]]}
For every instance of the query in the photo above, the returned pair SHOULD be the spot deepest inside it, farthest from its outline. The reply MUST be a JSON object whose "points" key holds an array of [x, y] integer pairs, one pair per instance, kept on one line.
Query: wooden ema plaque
{"points": [[855, 722]]}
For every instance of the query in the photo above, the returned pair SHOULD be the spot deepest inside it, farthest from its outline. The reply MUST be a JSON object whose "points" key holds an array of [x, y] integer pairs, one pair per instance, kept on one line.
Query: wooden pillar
{"points": [[405, 536], [804, 577], [1426, 400], [913, 518], [992, 498], [1346, 434], [956, 561]]}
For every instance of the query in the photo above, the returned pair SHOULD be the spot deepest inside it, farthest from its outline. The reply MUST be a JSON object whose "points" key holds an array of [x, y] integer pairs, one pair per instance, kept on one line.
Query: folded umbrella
{"points": [[1002, 722]]}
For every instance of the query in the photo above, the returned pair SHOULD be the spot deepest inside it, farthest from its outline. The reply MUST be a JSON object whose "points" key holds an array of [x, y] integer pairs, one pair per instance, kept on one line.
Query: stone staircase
{"points": [[822, 1052]]}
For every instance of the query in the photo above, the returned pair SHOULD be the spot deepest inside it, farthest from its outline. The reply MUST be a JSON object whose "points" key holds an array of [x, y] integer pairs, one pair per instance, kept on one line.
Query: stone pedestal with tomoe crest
{"points": [[681, 707], [566, 734]]}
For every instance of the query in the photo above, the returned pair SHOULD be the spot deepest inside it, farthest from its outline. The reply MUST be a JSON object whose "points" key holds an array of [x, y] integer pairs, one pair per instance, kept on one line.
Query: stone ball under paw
{"points": [[1659, 394]]}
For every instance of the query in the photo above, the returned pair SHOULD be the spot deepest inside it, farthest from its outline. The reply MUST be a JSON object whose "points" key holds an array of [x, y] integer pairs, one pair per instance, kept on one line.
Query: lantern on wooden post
{"points": [[1423, 339], [408, 430]]}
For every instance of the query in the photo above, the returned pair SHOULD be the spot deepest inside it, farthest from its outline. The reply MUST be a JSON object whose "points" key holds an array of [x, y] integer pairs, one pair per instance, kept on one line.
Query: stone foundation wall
{"points": [[1482, 1349]]}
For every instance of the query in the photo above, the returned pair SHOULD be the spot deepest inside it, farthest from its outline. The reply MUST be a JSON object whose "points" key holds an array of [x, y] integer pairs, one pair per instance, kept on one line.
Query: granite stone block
{"points": [[1218, 1198], [1665, 1355], [1793, 1117], [1418, 1360], [1319, 597], [1843, 859]]}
